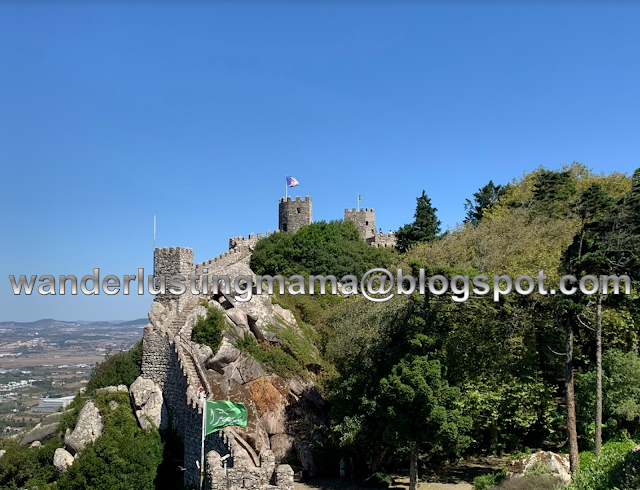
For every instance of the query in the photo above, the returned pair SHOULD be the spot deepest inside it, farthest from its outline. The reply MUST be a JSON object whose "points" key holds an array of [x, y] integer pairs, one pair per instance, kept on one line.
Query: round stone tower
{"points": [[294, 214]]}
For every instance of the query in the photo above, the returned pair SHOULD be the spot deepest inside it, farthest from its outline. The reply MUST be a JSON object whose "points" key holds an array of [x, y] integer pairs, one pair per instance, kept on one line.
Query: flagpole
{"points": [[358, 201], [286, 189], [204, 416], [154, 233]]}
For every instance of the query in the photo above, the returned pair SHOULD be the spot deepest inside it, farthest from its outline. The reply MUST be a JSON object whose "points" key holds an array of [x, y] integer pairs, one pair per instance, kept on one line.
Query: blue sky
{"points": [[196, 111]]}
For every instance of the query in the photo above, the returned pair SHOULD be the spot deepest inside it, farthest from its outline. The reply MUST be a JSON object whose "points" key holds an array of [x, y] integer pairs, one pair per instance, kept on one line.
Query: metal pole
{"points": [[204, 416], [286, 189], [154, 232]]}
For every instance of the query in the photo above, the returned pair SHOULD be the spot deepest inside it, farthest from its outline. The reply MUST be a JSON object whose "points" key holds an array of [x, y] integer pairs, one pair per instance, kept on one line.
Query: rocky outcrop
{"points": [[148, 403], [62, 459], [558, 465], [88, 428], [44, 430]]}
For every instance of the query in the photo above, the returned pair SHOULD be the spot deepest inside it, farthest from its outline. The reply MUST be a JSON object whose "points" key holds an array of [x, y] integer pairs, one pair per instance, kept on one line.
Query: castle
{"points": [[293, 214], [179, 368]]}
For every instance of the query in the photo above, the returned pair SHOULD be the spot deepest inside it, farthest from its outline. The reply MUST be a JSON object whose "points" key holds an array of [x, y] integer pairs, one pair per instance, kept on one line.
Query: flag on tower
{"points": [[292, 182], [359, 197]]}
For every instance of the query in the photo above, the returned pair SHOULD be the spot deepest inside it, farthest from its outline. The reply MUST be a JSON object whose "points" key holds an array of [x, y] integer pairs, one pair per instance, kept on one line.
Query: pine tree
{"points": [[425, 227], [482, 200]]}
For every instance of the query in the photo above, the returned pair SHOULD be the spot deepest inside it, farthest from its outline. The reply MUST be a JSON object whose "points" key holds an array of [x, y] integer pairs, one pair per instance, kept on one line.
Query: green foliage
{"points": [[424, 228], [614, 468], [552, 192], [377, 480], [124, 457], [208, 329], [482, 201], [27, 467], [488, 481], [320, 248], [272, 357], [121, 368], [621, 394]]}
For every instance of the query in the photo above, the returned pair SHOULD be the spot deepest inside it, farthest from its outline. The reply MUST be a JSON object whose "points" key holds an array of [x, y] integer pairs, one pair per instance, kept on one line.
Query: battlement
{"points": [[297, 199], [294, 214], [250, 241], [364, 219], [361, 210]]}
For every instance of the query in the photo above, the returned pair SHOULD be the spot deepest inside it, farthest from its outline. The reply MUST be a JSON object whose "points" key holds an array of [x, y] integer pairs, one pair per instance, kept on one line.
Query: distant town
{"points": [[44, 364]]}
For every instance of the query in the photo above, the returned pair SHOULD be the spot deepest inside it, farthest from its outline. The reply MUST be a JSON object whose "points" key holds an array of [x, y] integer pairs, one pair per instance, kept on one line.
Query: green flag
{"points": [[222, 413]]}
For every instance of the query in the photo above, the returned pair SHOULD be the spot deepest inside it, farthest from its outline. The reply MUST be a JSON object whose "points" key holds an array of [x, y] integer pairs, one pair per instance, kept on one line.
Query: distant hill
{"points": [[50, 322]]}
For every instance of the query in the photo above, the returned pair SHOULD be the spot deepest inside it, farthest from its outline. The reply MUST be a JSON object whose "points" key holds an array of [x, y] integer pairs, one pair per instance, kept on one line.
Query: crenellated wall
{"points": [[248, 242]]}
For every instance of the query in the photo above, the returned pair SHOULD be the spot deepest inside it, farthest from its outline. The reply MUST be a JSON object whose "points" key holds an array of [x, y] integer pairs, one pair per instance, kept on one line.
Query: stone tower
{"points": [[168, 262], [365, 220], [294, 214]]}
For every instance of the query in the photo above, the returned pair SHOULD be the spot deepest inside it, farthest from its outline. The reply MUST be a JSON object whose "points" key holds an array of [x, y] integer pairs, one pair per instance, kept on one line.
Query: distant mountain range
{"points": [[50, 322]]}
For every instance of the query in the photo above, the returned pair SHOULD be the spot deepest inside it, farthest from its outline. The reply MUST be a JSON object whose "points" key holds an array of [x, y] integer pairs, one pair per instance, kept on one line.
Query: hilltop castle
{"points": [[293, 214]]}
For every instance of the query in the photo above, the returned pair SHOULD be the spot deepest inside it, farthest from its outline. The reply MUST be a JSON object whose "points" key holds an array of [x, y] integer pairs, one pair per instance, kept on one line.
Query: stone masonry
{"points": [[294, 214]]}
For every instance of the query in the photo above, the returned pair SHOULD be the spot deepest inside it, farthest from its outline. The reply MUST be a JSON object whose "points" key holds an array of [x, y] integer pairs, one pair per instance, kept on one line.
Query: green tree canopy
{"points": [[425, 226]]}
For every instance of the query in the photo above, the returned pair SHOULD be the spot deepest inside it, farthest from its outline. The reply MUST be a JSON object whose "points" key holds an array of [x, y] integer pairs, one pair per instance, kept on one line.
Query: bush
{"points": [[377, 480], [208, 329], [124, 457], [609, 470], [485, 482], [27, 467], [319, 248], [117, 369], [532, 482]]}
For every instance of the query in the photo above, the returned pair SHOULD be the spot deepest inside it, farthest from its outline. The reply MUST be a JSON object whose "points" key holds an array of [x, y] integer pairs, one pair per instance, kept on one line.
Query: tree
{"points": [[425, 226], [482, 200], [552, 193], [421, 409]]}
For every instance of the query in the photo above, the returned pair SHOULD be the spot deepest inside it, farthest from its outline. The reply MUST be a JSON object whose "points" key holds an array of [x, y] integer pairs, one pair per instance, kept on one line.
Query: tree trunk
{"points": [[572, 433], [598, 441], [413, 467]]}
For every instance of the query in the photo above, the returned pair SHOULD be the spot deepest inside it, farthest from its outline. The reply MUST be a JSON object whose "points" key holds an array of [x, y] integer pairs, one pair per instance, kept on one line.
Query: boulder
{"points": [[3, 452], [304, 450], [62, 459], [250, 369], [558, 464], [88, 428], [39, 433], [238, 317], [273, 420], [36, 444], [203, 352], [149, 404], [281, 444], [227, 353], [286, 315], [155, 315]]}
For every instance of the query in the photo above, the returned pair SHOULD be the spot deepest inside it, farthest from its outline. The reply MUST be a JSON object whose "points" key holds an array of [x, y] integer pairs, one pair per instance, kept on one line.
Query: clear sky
{"points": [[197, 111]]}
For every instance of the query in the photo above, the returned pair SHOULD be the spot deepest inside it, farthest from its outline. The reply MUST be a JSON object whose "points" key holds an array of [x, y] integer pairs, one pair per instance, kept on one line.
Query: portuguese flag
{"points": [[223, 413]]}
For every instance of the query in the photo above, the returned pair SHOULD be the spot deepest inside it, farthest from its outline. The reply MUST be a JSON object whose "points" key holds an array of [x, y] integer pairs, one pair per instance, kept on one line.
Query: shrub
{"points": [[377, 480], [485, 482], [27, 467], [319, 248], [532, 482], [124, 457], [605, 471], [208, 329], [117, 369]]}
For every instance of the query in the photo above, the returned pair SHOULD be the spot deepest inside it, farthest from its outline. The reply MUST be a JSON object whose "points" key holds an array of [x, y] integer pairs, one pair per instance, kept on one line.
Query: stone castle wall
{"points": [[294, 214], [171, 360]]}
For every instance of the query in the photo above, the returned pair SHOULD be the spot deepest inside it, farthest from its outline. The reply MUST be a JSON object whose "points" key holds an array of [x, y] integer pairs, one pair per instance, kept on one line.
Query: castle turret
{"points": [[168, 262], [364, 219], [294, 214]]}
